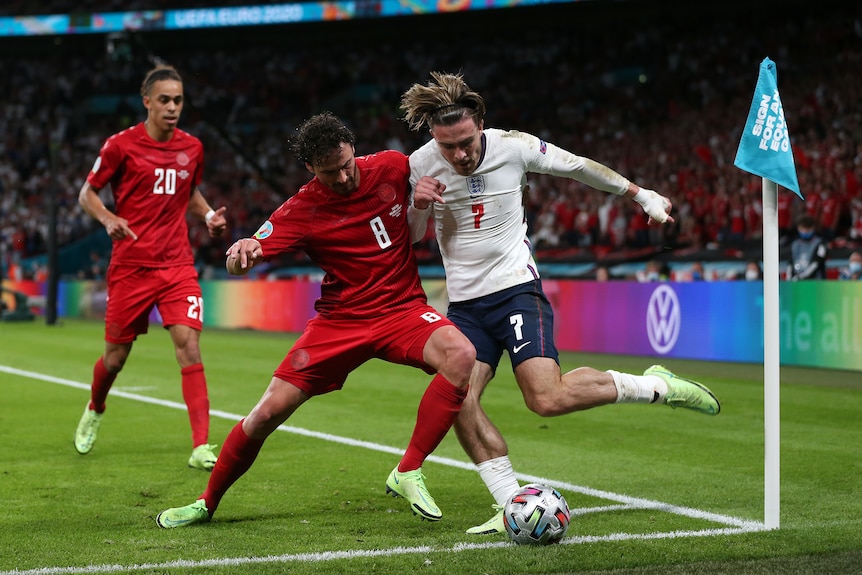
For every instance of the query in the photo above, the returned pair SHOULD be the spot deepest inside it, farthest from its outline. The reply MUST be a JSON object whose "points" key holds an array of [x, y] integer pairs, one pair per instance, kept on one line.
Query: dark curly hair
{"points": [[319, 137]]}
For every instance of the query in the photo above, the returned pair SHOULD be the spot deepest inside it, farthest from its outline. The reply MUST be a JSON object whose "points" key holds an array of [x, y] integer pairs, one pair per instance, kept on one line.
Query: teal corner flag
{"points": [[764, 149]]}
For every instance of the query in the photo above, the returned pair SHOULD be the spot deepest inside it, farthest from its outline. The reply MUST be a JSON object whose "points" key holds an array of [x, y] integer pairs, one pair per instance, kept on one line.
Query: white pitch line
{"points": [[736, 525], [346, 555]]}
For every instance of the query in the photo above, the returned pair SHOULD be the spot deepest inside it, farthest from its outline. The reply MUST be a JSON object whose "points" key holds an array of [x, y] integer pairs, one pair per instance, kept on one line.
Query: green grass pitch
{"points": [[653, 490]]}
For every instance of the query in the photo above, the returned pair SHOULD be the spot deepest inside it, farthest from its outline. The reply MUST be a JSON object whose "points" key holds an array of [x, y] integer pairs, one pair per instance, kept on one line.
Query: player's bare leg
{"points": [[548, 394], [115, 356], [280, 400], [186, 344], [487, 448], [479, 437]]}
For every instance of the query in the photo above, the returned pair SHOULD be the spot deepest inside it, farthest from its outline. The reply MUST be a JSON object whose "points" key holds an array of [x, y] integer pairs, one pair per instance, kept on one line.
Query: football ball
{"points": [[536, 515]]}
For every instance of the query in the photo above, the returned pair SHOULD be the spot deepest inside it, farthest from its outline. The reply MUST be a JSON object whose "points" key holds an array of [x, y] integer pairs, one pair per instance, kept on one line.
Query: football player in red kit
{"points": [[351, 220], [154, 170]]}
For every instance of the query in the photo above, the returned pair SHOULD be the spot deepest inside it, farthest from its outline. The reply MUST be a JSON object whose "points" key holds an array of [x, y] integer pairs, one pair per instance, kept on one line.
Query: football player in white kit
{"points": [[471, 179]]}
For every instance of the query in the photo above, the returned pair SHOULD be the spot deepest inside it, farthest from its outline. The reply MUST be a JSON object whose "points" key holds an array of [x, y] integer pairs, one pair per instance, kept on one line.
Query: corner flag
{"points": [[764, 149]]}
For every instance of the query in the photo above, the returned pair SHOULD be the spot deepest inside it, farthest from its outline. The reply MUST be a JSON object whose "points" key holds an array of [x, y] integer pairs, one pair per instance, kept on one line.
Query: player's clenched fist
{"points": [[428, 190]]}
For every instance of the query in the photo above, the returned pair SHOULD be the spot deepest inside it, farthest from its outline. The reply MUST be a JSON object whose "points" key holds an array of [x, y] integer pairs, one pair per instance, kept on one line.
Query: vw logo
{"points": [[663, 319]]}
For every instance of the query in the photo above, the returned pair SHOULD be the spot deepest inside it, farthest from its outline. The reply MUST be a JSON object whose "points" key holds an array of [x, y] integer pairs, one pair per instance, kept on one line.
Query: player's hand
{"points": [[118, 228], [656, 206], [242, 256], [217, 223], [428, 190]]}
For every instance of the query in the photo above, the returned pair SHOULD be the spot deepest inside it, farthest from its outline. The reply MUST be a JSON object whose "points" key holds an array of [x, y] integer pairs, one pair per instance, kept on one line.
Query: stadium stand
{"points": [[635, 85]]}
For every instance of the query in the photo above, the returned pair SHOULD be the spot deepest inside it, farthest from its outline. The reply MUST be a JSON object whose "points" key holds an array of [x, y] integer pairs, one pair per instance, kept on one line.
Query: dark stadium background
{"points": [[657, 90]]}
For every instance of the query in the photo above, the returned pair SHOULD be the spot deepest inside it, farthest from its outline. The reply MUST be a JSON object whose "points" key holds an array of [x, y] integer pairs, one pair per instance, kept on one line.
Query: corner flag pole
{"points": [[771, 359], [764, 150]]}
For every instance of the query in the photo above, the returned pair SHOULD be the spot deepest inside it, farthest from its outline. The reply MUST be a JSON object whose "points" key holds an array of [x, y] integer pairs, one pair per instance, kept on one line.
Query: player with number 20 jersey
{"points": [[152, 183], [153, 170]]}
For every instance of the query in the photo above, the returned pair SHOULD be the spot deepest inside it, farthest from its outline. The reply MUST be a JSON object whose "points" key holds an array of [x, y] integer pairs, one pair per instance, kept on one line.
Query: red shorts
{"points": [[134, 291], [329, 349]]}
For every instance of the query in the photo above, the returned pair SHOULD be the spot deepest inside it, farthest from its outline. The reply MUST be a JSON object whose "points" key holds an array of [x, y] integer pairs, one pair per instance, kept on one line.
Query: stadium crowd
{"points": [[658, 99]]}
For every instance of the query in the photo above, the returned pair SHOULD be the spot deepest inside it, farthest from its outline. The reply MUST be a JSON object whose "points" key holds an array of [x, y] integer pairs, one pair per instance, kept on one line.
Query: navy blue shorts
{"points": [[518, 319]]}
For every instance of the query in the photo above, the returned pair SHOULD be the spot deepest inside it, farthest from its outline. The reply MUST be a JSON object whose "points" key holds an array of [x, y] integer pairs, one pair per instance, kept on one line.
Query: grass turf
{"points": [[314, 501]]}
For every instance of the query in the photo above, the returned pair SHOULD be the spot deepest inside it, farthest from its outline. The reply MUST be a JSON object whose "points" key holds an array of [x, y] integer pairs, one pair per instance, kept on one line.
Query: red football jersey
{"points": [[152, 183], [361, 241]]}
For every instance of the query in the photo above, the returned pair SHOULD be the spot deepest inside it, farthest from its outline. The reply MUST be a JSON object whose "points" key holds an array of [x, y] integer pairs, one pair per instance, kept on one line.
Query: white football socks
{"points": [[638, 388], [499, 477]]}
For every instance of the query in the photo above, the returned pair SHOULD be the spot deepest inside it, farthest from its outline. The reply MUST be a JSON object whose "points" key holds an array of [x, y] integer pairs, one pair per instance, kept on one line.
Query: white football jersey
{"points": [[481, 229]]}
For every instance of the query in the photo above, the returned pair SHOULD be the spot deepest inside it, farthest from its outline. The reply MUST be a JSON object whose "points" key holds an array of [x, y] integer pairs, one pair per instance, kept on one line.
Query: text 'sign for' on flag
{"points": [[764, 149]]}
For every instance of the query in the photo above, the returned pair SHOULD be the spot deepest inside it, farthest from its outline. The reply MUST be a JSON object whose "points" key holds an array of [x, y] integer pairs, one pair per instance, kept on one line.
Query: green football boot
{"points": [[182, 516], [685, 393], [203, 457], [411, 486], [491, 526], [88, 427]]}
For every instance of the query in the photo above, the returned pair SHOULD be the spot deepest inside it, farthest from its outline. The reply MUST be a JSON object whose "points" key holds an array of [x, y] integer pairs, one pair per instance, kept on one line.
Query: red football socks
{"points": [[236, 456], [437, 412], [101, 385], [197, 402]]}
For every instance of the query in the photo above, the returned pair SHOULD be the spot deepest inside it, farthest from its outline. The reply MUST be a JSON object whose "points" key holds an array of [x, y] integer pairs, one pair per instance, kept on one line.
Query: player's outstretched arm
{"points": [[242, 256], [601, 177]]}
